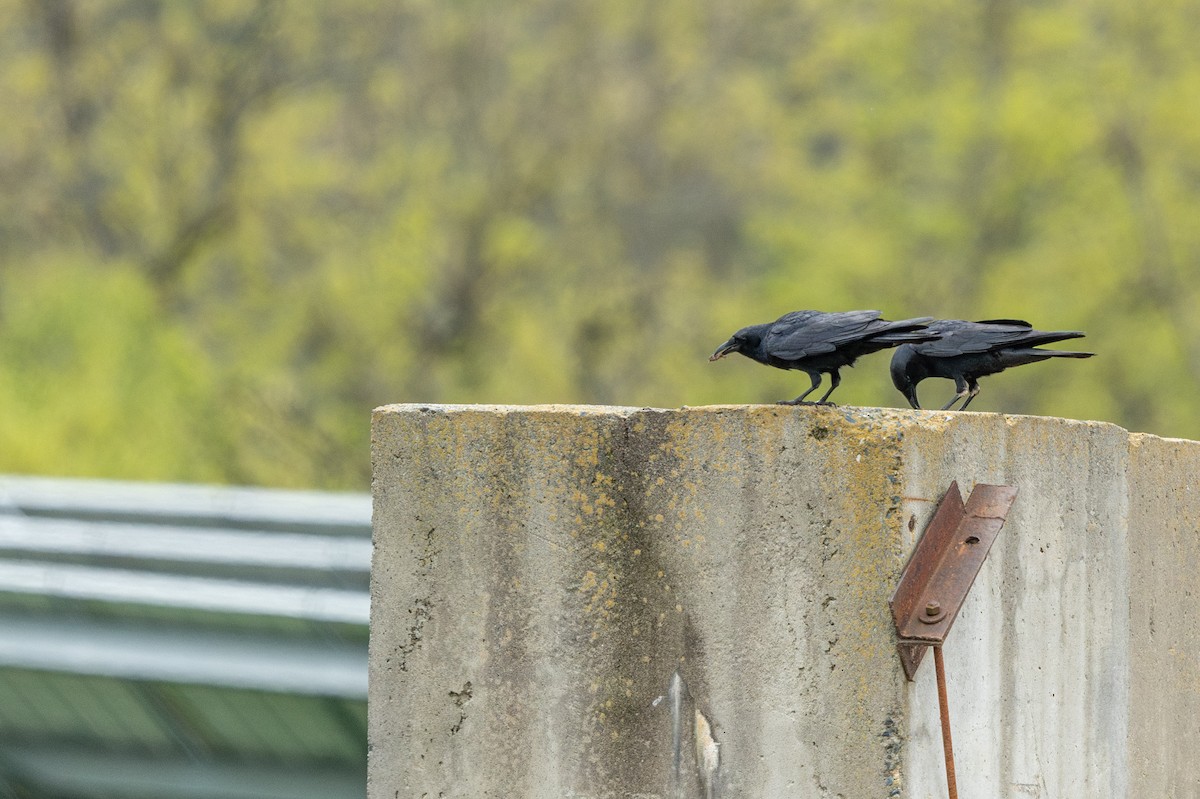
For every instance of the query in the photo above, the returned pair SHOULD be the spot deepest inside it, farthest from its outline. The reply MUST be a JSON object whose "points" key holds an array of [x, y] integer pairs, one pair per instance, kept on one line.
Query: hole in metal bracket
{"points": [[973, 539]]}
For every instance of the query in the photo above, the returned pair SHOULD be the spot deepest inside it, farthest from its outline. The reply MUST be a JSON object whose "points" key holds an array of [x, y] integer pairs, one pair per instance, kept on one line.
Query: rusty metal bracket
{"points": [[936, 580], [943, 567]]}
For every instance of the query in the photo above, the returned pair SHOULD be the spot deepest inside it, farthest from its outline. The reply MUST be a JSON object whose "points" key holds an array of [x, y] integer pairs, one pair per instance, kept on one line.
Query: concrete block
{"points": [[1037, 661], [1164, 615], [618, 602]]}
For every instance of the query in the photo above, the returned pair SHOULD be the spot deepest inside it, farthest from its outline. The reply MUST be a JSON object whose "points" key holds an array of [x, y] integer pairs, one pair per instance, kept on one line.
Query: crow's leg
{"points": [[836, 380], [960, 383], [973, 384], [816, 381]]}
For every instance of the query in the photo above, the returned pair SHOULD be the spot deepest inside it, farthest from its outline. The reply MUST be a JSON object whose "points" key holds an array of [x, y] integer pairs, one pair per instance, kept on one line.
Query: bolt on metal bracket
{"points": [[943, 567]]}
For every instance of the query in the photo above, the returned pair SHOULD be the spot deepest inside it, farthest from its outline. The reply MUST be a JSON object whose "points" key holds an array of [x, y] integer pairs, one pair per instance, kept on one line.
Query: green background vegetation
{"points": [[230, 229]]}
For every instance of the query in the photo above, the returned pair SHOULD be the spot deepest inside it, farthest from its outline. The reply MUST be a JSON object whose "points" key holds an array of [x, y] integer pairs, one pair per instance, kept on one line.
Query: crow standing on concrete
{"points": [[816, 342], [967, 351]]}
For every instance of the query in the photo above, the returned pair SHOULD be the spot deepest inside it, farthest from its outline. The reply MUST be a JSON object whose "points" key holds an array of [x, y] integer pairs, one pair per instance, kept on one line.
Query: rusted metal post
{"points": [[944, 704]]}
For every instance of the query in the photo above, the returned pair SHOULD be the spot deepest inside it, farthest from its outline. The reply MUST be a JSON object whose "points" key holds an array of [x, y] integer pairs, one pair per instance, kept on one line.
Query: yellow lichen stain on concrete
{"points": [[668, 493], [603, 592], [863, 482], [587, 448]]}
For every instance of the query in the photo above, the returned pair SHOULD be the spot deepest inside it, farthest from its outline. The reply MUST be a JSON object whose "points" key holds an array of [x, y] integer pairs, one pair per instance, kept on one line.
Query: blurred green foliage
{"points": [[231, 228]]}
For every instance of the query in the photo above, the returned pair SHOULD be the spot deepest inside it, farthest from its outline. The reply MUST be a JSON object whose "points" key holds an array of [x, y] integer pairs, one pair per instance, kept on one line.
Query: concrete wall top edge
{"points": [[1138, 439], [903, 416]]}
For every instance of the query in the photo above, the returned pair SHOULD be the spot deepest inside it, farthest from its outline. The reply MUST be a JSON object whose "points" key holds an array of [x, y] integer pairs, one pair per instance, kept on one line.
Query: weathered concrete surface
{"points": [[560, 565], [1164, 615], [1037, 662], [617, 602]]}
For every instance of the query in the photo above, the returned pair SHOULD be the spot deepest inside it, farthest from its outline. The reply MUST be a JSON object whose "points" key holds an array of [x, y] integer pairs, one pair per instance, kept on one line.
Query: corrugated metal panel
{"points": [[163, 503], [208, 641]]}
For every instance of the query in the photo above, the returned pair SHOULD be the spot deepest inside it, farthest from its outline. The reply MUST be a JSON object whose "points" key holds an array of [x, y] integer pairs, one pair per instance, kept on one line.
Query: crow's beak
{"points": [[911, 394], [724, 349]]}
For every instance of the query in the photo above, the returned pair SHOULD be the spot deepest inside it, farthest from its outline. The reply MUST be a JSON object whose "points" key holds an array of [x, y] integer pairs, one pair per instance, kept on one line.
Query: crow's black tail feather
{"points": [[1033, 355]]}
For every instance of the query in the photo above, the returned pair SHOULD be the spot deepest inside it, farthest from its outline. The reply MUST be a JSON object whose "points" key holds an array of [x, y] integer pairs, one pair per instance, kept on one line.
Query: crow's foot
{"points": [[806, 402]]}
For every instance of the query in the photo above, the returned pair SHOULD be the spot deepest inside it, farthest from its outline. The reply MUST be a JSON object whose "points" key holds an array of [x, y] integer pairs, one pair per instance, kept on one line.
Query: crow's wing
{"points": [[802, 334], [959, 337]]}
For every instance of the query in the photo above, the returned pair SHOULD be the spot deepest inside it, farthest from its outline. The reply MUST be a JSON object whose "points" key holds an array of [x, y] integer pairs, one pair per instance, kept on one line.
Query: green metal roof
{"points": [[181, 641]]}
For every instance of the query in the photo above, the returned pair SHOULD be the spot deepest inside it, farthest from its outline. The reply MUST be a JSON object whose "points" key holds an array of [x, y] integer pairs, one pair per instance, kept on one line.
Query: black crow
{"points": [[816, 342], [967, 351]]}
